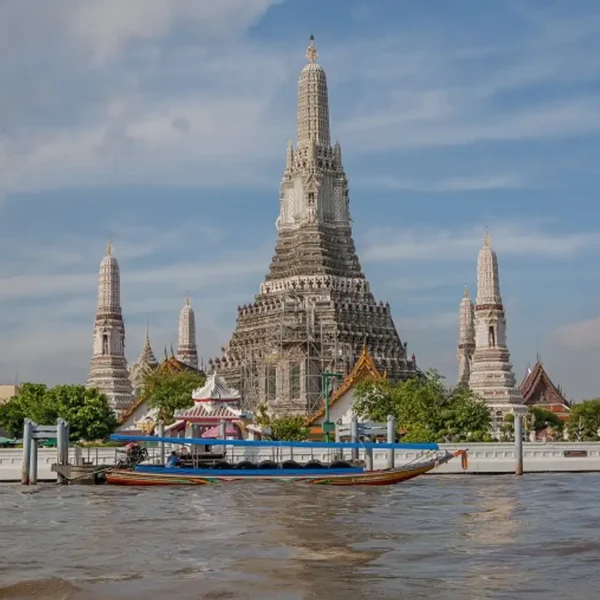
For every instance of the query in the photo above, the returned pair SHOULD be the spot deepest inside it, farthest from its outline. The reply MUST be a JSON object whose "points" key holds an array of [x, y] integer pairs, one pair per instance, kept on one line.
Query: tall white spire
{"points": [[313, 102], [488, 280], [492, 374], [108, 369], [109, 284], [466, 338], [187, 351], [314, 188]]}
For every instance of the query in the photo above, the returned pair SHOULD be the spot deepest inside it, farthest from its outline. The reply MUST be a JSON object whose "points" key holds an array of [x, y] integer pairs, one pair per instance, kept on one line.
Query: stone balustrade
{"points": [[483, 458]]}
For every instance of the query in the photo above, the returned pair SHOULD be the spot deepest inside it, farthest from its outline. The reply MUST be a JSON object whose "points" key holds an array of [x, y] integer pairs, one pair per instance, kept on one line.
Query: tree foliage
{"points": [[170, 392], [424, 408], [290, 428], [286, 428], [539, 419], [86, 410], [584, 420], [261, 416]]}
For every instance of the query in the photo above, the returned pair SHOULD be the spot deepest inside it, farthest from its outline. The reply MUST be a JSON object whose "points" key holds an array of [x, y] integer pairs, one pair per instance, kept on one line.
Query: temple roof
{"points": [[216, 388], [534, 378], [173, 365], [209, 410], [147, 360], [168, 365], [363, 368], [124, 415]]}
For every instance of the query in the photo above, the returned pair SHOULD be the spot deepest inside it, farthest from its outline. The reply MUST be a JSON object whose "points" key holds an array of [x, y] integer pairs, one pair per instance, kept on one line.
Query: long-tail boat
{"points": [[337, 472]]}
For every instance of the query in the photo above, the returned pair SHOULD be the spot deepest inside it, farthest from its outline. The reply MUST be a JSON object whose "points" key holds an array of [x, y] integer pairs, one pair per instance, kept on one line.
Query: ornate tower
{"points": [[108, 369], [492, 374], [314, 311], [145, 364], [186, 348], [466, 338]]}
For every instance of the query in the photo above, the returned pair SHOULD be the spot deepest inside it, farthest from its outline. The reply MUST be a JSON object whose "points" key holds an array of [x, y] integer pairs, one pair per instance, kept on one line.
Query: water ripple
{"points": [[443, 537]]}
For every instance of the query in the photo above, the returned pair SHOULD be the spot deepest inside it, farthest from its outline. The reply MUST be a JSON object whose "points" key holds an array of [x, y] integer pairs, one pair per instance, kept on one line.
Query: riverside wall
{"points": [[483, 458]]}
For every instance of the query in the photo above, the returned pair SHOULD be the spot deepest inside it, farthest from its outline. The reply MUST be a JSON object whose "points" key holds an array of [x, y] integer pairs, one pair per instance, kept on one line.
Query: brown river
{"points": [[442, 537]]}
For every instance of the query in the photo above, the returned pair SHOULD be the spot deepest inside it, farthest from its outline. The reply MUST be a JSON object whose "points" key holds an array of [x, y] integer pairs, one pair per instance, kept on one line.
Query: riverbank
{"points": [[485, 459]]}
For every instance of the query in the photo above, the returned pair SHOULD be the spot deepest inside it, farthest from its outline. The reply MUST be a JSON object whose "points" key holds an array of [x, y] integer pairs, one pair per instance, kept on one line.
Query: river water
{"points": [[442, 537]]}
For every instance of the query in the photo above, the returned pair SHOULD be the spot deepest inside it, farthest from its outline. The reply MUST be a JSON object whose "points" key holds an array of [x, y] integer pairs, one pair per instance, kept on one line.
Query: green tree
{"points": [[86, 410], [507, 429], [31, 402], [170, 392], [584, 420], [375, 399], [424, 409], [465, 416], [262, 417], [541, 419], [290, 428]]}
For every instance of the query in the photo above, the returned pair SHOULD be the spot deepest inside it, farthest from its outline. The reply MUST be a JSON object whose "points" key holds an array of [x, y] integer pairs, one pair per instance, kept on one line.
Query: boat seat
{"points": [[290, 464], [245, 464], [268, 464]]}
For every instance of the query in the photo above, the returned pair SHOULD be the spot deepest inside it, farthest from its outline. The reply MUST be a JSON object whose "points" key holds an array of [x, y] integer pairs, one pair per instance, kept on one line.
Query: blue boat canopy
{"points": [[117, 437]]}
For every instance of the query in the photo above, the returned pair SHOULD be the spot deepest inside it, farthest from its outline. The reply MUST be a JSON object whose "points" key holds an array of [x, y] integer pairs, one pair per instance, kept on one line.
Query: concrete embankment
{"points": [[483, 458]]}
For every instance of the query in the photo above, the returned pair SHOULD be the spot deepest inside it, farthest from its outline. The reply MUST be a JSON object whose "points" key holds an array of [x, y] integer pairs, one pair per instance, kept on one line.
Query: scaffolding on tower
{"points": [[285, 371]]}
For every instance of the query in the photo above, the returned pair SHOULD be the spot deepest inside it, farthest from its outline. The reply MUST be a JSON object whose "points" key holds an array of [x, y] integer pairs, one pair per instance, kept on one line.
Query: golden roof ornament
{"points": [[311, 51]]}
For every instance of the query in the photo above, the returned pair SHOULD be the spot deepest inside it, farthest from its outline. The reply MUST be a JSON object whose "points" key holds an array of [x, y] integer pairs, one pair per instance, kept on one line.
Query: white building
{"points": [[491, 372], [108, 368]]}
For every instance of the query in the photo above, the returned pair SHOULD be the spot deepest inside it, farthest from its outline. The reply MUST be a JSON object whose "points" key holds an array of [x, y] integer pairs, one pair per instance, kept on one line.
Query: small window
{"points": [[295, 381], [271, 383]]}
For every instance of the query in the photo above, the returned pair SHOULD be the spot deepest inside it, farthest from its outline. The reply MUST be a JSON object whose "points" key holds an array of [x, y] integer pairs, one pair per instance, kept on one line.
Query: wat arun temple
{"points": [[313, 313]]}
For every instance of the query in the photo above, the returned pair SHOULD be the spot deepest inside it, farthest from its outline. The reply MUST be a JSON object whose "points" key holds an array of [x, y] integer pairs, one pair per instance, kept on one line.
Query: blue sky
{"points": [[164, 123]]}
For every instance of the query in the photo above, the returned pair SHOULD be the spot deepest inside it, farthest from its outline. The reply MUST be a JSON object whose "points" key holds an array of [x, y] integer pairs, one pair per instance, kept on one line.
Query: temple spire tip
{"points": [[486, 237], [311, 52]]}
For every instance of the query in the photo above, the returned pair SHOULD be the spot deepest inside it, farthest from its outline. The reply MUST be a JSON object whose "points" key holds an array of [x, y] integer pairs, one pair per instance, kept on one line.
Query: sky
{"points": [[163, 125]]}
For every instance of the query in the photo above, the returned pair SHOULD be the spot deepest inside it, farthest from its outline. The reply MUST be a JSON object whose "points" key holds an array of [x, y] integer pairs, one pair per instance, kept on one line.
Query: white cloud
{"points": [[71, 266], [426, 90], [508, 238], [207, 108], [583, 335], [46, 314], [426, 282], [190, 110], [105, 27], [433, 322], [458, 184], [460, 126]]}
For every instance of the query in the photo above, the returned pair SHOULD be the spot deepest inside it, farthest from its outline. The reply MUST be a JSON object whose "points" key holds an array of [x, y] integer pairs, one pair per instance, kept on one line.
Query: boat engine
{"points": [[132, 455]]}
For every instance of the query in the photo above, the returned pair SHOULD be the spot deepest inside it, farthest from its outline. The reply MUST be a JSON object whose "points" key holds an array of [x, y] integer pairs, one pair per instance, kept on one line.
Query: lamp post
{"points": [[328, 426]]}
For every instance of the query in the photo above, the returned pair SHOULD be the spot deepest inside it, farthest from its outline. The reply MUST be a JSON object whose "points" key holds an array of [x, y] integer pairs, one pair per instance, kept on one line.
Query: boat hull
{"points": [[157, 476]]}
